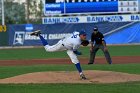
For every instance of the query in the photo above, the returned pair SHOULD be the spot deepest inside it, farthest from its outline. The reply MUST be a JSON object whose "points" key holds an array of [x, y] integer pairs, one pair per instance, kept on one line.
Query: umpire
{"points": [[98, 42]]}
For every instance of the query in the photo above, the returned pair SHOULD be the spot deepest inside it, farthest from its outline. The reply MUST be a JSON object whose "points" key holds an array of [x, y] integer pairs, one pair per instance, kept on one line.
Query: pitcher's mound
{"points": [[72, 77]]}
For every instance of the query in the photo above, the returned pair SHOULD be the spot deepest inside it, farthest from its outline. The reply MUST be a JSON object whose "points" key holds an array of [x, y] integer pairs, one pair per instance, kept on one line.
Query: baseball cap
{"points": [[95, 29], [82, 33]]}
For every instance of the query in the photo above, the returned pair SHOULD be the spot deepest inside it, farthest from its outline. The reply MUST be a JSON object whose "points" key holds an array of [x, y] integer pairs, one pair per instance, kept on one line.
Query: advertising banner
{"points": [[92, 19]]}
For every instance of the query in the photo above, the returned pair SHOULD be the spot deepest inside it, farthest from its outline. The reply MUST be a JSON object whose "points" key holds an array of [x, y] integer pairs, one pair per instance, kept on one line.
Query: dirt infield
{"points": [[98, 60], [72, 76]]}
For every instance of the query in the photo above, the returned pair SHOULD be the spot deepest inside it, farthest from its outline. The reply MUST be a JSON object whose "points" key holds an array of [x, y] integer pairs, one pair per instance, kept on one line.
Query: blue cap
{"points": [[82, 33]]}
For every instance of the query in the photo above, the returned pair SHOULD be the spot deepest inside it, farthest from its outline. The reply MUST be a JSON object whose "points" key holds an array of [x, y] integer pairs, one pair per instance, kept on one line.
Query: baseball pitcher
{"points": [[70, 44]]}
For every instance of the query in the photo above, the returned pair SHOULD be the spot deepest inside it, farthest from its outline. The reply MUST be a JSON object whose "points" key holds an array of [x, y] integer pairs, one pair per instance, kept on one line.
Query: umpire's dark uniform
{"points": [[97, 39]]}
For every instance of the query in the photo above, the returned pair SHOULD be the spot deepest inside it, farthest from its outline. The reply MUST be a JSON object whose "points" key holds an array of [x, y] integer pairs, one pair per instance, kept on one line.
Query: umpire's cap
{"points": [[95, 28], [82, 32]]}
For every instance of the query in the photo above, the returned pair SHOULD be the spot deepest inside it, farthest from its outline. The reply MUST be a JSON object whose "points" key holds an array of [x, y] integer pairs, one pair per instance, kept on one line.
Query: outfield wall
{"points": [[4, 39], [117, 29], [115, 32], [129, 34]]}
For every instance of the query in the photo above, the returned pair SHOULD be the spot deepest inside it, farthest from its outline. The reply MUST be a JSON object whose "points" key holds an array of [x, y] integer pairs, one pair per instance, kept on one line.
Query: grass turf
{"points": [[131, 87], [9, 71], [40, 53]]}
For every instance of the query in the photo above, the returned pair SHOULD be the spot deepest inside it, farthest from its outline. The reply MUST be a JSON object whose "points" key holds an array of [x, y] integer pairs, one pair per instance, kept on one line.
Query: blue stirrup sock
{"points": [[78, 67], [44, 42]]}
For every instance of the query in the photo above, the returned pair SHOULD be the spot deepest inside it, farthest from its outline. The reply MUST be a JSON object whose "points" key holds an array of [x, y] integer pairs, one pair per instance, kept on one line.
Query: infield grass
{"points": [[9, 71], [39, 53], [131, 87]]}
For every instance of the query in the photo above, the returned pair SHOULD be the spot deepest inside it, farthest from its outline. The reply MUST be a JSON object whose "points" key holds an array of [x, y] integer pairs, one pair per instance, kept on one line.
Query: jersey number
{"points": [[75, 36]]}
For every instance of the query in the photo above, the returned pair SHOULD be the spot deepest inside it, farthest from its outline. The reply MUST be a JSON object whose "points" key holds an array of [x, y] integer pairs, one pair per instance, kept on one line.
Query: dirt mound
{"points": [[72, 77]]}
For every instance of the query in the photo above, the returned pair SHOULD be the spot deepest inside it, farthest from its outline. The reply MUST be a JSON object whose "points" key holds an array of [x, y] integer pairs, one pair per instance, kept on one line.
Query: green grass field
{"points": [[39, 53], [131, 87]]}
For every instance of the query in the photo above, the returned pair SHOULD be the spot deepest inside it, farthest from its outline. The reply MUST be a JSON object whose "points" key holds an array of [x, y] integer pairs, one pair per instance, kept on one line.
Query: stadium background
{"points": [[119, 31], [55, 28]]}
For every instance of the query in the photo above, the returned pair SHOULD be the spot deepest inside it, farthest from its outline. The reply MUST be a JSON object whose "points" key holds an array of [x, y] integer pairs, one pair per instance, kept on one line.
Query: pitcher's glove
{"points": [[85, 42], [77, 52]]}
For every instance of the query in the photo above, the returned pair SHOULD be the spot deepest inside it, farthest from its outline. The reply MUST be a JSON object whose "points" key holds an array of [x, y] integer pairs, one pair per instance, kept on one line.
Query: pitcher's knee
{"points": [[75, 61]]}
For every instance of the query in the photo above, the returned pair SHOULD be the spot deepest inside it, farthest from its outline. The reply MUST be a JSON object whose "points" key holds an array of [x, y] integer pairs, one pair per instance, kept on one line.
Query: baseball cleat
{"points": [[83, 77], [90, 63], [36, 33], [110, 63]]}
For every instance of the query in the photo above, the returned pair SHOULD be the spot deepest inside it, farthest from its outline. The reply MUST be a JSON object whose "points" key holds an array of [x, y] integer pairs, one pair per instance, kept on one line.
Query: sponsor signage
{"points": [[3, 28], [29, 27], [91, 19]]}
